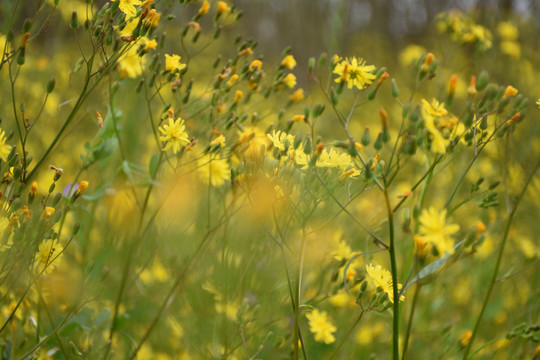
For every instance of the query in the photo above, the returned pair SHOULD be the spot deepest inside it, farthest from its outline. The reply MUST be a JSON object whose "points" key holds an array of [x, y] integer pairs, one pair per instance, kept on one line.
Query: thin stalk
{"points": [[410, 321], [347, 335], [392, 252], [499, 260]]}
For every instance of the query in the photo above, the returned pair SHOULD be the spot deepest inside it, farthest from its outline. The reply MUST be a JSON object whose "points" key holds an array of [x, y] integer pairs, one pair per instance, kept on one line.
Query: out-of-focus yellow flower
{"points": [[238, 96], [289, 62], [298, 118], [465, 338], [5, 148], [298, 96], [511, 48], [128, 7], [131, 64], [255, 65], [538, 103], [220, 140], [354, 72], [369, 332], [321, 326], [222, 7], [383, 278], [510, 91], [48, 212], [48, 257], [150, 45], [434, 229], [152, 18], [508, 31], [411, 54], [6, 233], [290, 80], [205, 7], [172, 63], [174, 134], [214, 171]]}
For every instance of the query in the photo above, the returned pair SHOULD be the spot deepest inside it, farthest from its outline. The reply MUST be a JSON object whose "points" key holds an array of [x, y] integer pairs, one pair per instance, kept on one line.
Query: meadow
{"points": [[169, 191]]}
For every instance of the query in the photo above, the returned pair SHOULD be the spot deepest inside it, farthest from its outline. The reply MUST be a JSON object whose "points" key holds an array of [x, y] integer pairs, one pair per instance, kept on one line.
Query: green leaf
{"points": [[154, 164]]}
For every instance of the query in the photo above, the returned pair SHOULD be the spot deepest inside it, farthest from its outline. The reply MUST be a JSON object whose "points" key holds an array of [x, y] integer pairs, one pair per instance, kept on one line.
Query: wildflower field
{"points": [[171, 191]]}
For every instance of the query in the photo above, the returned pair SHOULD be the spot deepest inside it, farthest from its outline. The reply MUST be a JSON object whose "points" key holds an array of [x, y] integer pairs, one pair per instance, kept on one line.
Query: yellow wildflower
{"points": [[128, 7], [298, 118], [508, 31], [255, 64], [538, 102], [131, 64], [290, 80], [289, 62], [48, 256], [214, 171], [172, 63], [204, 8], [354, 72], [383, 278], [321, 326], [298, 96], [238, 96], [465, 338], [219, 140], [150, 45], [435, 230], [6, 233], [510, 91], [48, 212], [222, 7], [174, 133], [5, 149], [430, 112]]}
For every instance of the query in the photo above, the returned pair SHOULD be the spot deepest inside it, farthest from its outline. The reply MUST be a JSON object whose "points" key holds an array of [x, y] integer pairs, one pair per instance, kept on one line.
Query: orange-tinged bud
{"points": [[480, 227], [238, 96], [358, 146], [24, 40], [99, 120], [471, 90], [384, 117], [452, 84], [246, 51], [204, 8], [33, 188], [319, 148], [510, 91], [429, 59], [232, 80], [515, 118], [298, 118], [383, 77], [465, 338]]}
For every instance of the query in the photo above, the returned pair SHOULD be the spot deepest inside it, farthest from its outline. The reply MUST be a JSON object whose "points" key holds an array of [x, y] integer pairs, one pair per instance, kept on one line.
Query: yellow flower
{"points": [[411, 54], [174, 133], [222, 7], [204, 8], [215, 171], [281, 139], [297, 96], [48, 257], [6, 233], [255, 64], [354, 72], [131, 64], [510, 91], [383, 278], [508, 31], [128, 7], [172, 63], [5, 149], [321, 326], [290, 80], [435, 230], [538, 102], [289, 62], [511, 48], [219, 140], [430, 112], [48, 212], [150, 45]]}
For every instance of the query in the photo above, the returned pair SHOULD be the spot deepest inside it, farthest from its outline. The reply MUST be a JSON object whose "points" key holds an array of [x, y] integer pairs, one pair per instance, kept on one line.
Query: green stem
{"points": [[392, 251], [410, 321], [347, 335], [499, 260]]}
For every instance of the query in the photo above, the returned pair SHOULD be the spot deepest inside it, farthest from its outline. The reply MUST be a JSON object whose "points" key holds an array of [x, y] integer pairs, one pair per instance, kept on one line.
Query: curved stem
{"points": [[499, 260]]}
